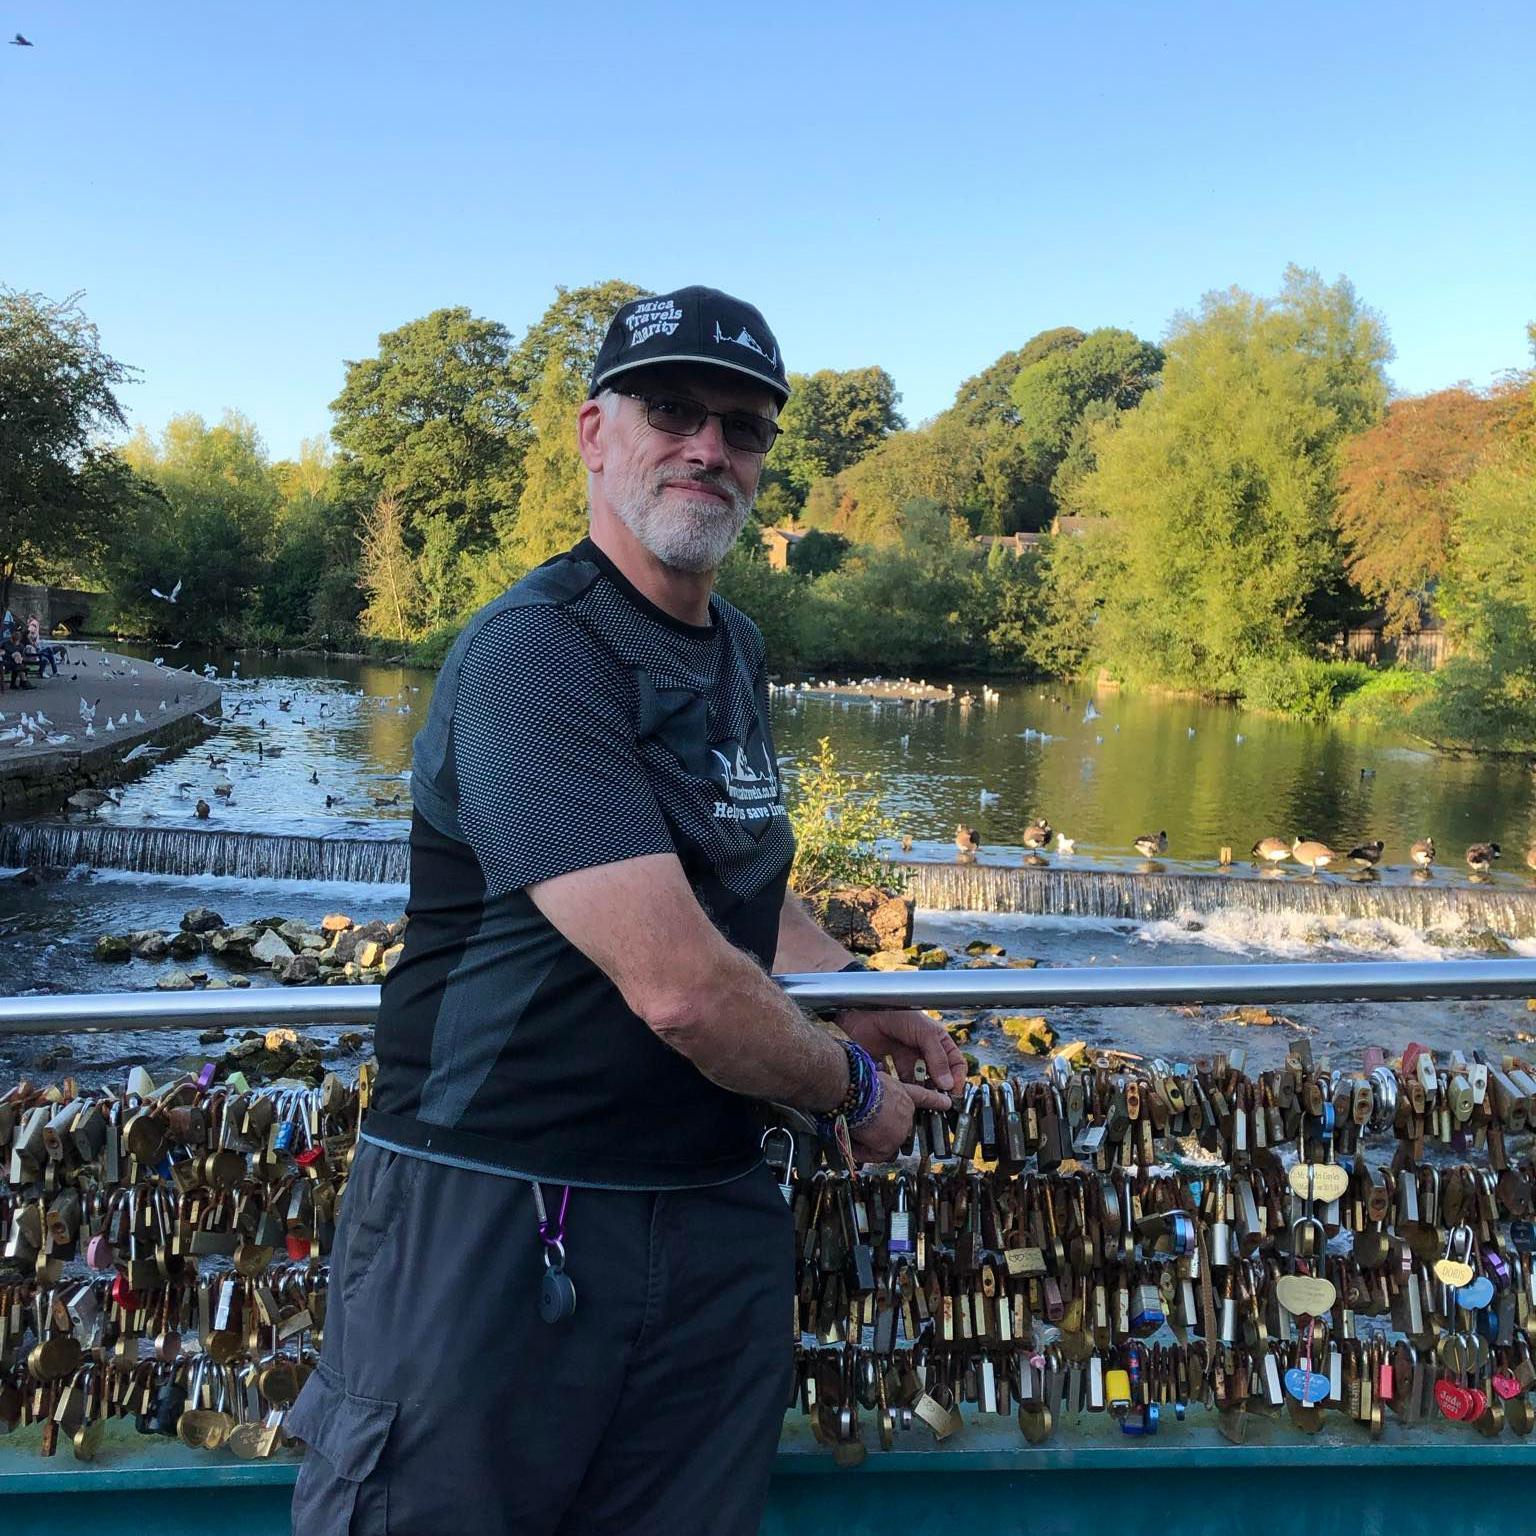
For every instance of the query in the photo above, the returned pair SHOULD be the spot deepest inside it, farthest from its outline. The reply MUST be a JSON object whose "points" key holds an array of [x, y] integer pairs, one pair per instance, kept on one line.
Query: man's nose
{"points": [[707, 446]]}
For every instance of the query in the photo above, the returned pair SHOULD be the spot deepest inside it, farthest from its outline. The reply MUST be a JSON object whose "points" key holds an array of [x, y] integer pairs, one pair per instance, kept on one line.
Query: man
{"points": [[561, 1287]]}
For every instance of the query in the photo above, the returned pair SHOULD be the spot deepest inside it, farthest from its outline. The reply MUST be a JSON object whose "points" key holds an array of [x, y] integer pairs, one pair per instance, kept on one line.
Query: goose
{"points": [[1367, 855], [1423, 852], [1038, 833], [1150, 844], [965, 838], [1481, 855], [906, 842], [91, 800], [223, 788], [1313, 854], [201, 810], [1273, 850], [1530, 857]]}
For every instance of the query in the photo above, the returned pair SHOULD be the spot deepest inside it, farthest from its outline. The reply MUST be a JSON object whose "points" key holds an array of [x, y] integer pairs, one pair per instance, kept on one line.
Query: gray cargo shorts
{"points": [[443, 1403]]}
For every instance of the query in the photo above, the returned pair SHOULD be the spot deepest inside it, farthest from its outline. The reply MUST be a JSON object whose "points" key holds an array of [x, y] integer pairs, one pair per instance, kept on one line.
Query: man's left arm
{"points": [[906, 1035]]}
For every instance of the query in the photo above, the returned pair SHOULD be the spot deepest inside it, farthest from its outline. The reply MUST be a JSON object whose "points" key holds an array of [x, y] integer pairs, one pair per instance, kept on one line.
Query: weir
{"points": [[1052, 892], [1159, 896]]}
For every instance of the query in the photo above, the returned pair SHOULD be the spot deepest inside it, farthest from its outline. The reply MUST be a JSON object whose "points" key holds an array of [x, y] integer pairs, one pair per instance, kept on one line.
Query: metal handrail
{"points": [[1379, 981]]}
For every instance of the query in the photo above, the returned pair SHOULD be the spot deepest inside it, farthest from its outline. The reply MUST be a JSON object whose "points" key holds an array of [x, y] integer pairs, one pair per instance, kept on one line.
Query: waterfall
{"points": [[1152, 897], [1055, 892], [192, 851]]}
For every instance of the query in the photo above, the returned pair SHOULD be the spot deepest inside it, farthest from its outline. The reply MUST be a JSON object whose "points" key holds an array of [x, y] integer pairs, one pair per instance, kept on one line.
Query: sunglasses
{"points": [[743, 430]]}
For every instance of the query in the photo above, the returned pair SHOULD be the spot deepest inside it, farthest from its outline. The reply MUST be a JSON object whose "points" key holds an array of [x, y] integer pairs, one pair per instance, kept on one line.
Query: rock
{"points": [[239, 981], [1021, 963], [212, 1036], [890, 960], [270, 947], [174, 981], [236, 940], [294, 932], [335, 922], [297, 971], [114, 946], [1033, 1036], [368, 953], [981, 947], [349, 1040], [200, 920], [1485, 942], [218, 984], [313, 943], [149, 944], [867, 920], [185, 945], [934, 959], [391, 957]]}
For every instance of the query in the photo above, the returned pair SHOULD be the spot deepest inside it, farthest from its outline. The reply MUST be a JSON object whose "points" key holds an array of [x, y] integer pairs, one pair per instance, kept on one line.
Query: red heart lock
{"points": [[123, 1294], [298, 1247], [1479, 1403], [1454, 1402], [1506, 1385]]}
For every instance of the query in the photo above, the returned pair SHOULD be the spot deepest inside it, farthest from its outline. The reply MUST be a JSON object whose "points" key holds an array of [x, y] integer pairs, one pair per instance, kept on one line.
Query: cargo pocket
{"points": [[340, 1489]]}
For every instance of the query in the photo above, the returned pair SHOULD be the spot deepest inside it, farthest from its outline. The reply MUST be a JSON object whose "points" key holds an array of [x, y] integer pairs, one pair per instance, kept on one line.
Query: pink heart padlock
{"points": [[1506, 1385], [99, 1253]]}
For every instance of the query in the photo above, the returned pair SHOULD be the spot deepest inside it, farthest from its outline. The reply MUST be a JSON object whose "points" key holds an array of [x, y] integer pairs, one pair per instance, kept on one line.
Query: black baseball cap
{"points": [[691, 325]]}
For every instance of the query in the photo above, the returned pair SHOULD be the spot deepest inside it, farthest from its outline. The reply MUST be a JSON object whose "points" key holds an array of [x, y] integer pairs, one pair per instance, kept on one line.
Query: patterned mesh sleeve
{"points": [[544, 754]]}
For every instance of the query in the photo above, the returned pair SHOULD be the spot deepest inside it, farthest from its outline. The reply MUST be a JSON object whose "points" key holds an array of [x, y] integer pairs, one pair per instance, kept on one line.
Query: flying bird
{"points": [[21, 42], [167, 597]]}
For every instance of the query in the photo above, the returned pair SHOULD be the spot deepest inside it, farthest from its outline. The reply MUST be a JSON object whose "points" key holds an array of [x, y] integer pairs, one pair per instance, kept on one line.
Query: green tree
{"points": [[1221, 484], [553, 366], [60, 489], [937, 463], [832, 420], [212, 529], [436, 420], [987, 397]]}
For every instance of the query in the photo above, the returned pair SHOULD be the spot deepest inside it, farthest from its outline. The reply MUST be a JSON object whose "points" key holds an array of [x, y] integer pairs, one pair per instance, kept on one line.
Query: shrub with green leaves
{"points": [[837, 819]]}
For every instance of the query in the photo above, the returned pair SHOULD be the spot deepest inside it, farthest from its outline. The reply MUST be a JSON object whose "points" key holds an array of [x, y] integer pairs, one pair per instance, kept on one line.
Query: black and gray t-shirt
{"points": [[575, 724]]}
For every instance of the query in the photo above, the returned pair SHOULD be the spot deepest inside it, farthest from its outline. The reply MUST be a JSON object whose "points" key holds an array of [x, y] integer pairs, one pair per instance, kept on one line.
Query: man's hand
{"points": [[907, 1036], [884, 1136]]}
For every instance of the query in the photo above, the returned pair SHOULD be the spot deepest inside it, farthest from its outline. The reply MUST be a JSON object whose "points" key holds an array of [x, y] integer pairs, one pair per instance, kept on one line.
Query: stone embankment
{"points": [[161, 705]]}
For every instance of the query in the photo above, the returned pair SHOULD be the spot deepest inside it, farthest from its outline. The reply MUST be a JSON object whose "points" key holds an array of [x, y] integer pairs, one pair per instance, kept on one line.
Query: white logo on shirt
{"points": [[752, 793]]}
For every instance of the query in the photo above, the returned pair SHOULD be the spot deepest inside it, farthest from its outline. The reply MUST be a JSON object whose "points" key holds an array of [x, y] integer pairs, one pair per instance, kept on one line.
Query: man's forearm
{"points": [[803, 944], [747, 1036]]}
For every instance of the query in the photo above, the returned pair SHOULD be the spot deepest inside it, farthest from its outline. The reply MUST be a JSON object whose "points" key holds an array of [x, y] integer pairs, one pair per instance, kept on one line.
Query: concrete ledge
{"points": [[42, 777]]}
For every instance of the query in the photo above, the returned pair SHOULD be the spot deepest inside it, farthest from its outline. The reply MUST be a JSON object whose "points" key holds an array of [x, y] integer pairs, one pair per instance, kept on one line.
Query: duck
{"points": [[965, 838], [1150, 844], [1273, 850], [1038, 833], [1367, 855], [201, 810], [1314, 854], [1480, 856], [1423, 852]]}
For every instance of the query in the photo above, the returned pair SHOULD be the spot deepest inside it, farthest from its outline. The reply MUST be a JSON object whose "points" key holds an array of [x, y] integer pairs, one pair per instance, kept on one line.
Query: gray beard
{"points": [[694, 539]]}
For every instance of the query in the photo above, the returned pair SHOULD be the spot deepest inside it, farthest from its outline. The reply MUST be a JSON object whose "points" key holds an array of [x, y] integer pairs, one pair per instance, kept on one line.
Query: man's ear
{"points": [[589, 435]]}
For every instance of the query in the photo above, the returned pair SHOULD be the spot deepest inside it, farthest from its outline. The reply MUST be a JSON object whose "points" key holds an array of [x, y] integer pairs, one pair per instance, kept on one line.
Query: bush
{"points": [[1389, 698], [837, 819], [1301, 686]]}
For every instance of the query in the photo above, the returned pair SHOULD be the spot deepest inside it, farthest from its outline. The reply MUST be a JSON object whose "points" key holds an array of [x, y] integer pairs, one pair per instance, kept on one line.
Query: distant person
{"points": [[11, 657], [562, 1282], [40, 648]]}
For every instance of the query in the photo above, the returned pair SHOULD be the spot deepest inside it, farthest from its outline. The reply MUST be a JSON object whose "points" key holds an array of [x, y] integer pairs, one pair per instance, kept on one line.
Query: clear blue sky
{"points": [[247, 195]]}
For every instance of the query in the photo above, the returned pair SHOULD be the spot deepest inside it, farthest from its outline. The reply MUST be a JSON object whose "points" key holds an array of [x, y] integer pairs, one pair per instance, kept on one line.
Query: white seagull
{"points": [[167, 597]]}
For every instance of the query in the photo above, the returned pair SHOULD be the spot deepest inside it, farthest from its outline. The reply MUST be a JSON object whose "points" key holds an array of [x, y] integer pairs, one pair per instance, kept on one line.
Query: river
{"points": [[333, 799]]}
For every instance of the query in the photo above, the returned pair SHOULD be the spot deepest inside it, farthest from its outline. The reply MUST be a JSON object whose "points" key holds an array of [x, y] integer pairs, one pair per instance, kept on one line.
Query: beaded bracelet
{"points": [[862, 1101]]}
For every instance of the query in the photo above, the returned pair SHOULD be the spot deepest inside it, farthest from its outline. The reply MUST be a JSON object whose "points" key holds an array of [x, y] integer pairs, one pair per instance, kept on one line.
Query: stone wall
{"points": [[69, 608]]}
